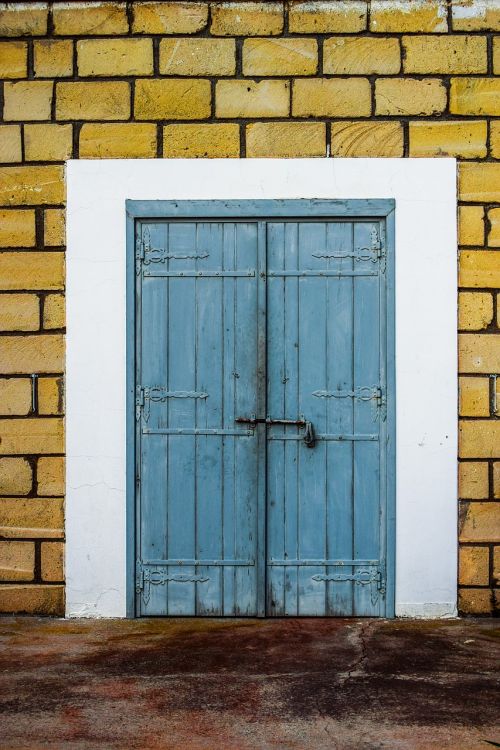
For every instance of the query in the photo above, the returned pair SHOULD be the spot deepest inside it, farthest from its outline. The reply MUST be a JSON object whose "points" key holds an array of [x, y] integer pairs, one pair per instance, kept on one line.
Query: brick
{"points": [[496, 479], [495, 138], [473, 480], [10, 143], [34, 517], [50, 396], [23, 21], [169, 17], [50, 476], [115, 57], [13, 59], [35, 185], [53, 58], [475, 310], [28, 100], [17, 561], [479, 183], [32, 599], [246, 18], [408, 15], [475, 96], [496, 566], [48, 142], [280, 57], [344, 55], [54, 311], [172, 99], [474, 397], [31, 354], [17, 228], [15, 397], [286, 139], [361, 138], [409, 96], [215, 141], [98, 19], [475, 15], [52, 561], [475, 601], [331, 97], [478, 353], [445, 54], [479, 438], [16, 477], [480, 522], [460, 138], [269, 98], [474, 566], [320, 17], [54, 229], [479, 268], [19, 312], [494, 233], [36, 270], [470, 225], [496, 55], [93, 100], [198, 57], [117, 141], [31, 435]]}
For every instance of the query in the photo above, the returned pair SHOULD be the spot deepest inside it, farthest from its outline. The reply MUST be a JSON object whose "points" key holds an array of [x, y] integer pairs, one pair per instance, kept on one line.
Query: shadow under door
{"points": [[262, 372]]}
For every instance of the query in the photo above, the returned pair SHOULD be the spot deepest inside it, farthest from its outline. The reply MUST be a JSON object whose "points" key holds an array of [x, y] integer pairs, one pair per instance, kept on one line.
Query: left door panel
{"points": [[197, 369]]}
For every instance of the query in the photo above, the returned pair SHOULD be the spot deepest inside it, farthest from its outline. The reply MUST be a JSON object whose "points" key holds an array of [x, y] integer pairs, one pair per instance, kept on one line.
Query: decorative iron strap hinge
{"points": [[364, 577], [145, 394], [145, 254], [147, 575], [362, 393]]}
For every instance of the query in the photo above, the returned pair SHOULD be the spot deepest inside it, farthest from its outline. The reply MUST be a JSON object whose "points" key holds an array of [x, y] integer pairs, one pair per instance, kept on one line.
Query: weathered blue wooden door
{"points": [[198, 367], [324, 534], [262, 373]]}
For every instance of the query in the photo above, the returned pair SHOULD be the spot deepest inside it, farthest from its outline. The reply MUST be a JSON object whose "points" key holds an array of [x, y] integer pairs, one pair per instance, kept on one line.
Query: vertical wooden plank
{"points": [[366, 454], [153, 365], [228, 415], [312, 364], [181, 411], [292, 410], [339, 377], [246, 386], [208, 470], [276, 474]]}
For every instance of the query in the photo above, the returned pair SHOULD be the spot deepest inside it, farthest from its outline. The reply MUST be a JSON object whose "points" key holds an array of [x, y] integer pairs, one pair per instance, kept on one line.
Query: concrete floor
{"points": [[249, 684]]}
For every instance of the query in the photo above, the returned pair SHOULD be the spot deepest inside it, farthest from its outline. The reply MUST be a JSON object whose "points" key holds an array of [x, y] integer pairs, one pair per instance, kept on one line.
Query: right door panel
{"points": [[326, 366]]}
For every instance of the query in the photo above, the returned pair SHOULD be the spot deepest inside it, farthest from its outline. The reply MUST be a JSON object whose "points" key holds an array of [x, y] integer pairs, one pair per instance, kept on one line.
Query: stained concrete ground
{"points": [[200, 684]]}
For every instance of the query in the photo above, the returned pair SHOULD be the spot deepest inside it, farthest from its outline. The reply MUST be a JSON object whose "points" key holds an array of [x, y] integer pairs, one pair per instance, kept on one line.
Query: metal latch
{"points": [[309, 436]]}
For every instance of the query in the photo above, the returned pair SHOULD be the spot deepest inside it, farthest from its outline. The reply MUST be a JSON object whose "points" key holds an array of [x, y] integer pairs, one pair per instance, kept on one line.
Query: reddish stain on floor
{"points": [[198, 684]]}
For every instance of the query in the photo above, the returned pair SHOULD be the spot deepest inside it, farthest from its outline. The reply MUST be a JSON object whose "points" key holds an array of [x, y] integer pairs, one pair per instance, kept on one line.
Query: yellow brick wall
{"points": [[149, 79]]}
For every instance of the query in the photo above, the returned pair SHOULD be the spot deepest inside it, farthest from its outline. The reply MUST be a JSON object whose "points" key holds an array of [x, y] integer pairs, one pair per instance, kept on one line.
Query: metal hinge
{"points": [[381, 401], [139, 255], [145, 394], [382, 257], [364, 577], [378, 244], [147, 575]]}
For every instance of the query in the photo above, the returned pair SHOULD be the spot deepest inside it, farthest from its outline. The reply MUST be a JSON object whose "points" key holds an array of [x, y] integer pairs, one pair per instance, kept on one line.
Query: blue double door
{"points": [[261, 417]]}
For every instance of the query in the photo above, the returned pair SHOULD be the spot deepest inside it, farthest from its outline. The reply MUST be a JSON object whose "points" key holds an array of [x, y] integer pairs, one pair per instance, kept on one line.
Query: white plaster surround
{"points": [[426, 356]]}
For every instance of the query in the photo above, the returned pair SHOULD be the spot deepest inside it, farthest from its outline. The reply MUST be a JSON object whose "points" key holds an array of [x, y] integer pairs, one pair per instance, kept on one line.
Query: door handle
{"points": [[309, 436]]}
